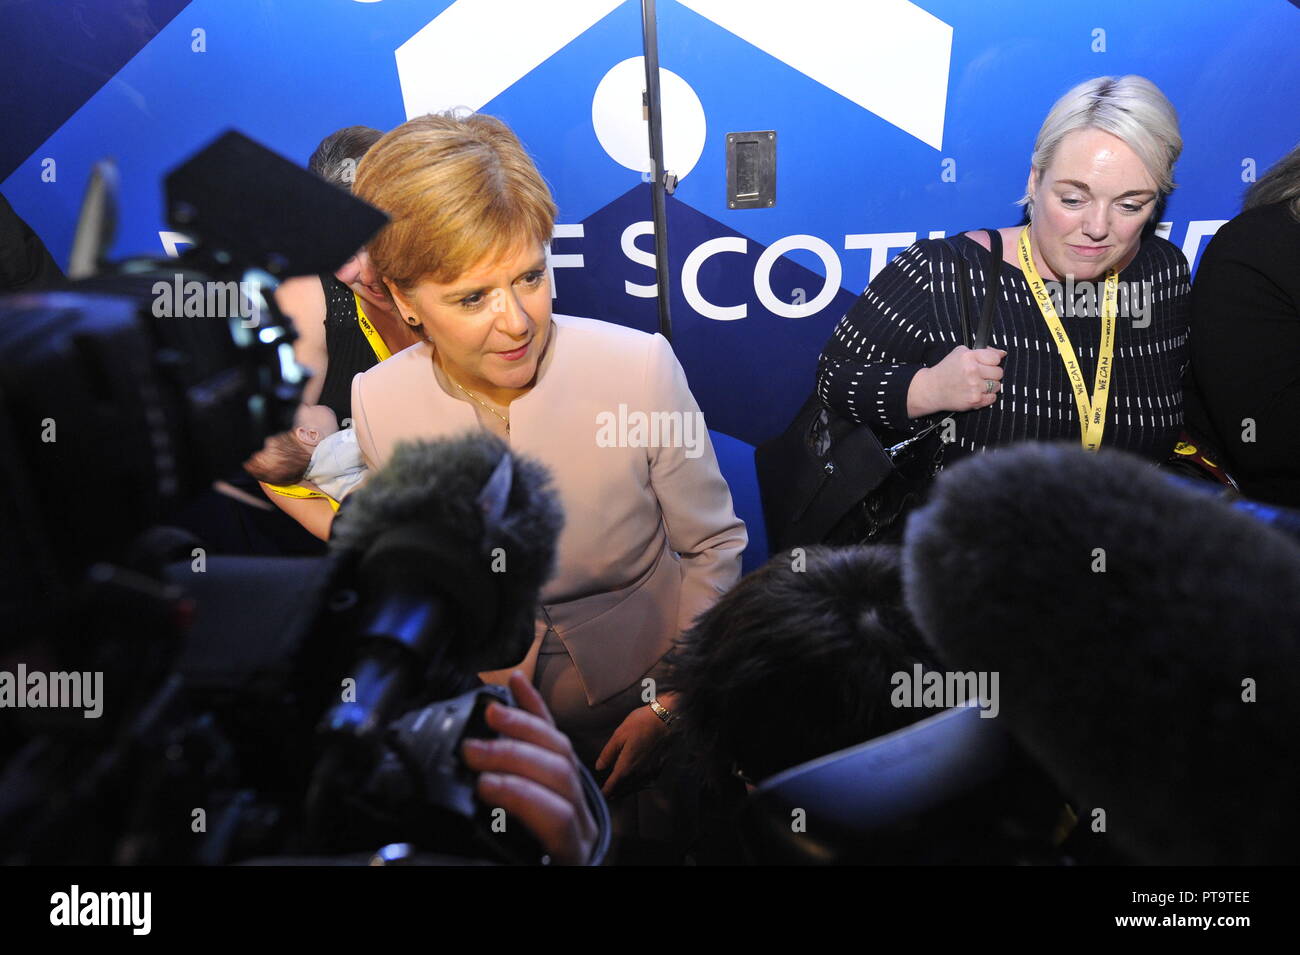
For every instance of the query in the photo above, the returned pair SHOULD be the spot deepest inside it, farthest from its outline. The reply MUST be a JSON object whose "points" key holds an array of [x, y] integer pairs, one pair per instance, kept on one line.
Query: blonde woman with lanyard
{"points": [[1096, 298]]}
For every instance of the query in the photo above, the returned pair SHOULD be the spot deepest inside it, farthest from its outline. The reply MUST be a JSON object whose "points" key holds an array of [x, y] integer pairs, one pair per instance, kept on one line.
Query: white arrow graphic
{"points": [[888, 56], [477, 49]]}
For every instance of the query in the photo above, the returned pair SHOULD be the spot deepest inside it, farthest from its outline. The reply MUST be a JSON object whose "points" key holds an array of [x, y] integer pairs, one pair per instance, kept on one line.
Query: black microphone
{"points": [[1146, 640], [455, 539]]}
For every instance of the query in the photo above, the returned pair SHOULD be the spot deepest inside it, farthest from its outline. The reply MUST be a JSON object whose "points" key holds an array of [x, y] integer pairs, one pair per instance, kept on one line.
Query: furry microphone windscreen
{"points": [[438, 483], [433, 491], [1145, 637]]}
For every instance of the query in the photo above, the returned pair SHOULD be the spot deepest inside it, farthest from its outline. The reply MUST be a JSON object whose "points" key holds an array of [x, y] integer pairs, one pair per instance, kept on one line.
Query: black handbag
{"points": [[828, 480]]}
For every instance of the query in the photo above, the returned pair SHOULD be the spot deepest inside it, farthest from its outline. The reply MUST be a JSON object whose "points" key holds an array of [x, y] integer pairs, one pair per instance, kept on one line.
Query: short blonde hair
{"points": [[1131, 108], [459, 190]]}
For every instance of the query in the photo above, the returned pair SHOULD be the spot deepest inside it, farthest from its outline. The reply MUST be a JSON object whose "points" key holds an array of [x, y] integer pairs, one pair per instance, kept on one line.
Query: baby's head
{"points": [[285, 456]]}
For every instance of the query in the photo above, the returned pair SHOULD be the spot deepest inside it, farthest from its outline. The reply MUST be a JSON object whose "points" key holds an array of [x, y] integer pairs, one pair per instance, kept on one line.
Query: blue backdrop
{"points": [[893, 120]]}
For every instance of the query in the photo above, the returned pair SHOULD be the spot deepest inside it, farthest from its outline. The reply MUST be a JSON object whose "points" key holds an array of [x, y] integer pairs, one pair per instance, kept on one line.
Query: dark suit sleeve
{"points": [[1245, 350], [25, 263]]}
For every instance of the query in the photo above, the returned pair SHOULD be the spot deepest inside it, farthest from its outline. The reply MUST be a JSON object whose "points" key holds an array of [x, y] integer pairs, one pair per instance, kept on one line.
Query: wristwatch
{"points": [[662, 712]]}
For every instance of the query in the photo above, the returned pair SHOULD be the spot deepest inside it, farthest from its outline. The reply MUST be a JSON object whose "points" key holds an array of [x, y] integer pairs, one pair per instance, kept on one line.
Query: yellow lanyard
{"points": [[1092, 410], [299, 492], [371, 333]]}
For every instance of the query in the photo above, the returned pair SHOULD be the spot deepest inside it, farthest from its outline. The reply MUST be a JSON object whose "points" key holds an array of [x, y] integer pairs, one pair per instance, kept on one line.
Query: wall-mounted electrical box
{"points": [[751, 169]]}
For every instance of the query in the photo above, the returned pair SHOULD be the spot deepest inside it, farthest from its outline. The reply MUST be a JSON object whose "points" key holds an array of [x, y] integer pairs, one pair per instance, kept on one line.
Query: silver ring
{"points": [[989, 385]]}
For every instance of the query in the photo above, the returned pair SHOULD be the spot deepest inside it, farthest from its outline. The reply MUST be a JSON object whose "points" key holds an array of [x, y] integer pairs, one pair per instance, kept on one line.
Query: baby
{"points": [[313, 451]]}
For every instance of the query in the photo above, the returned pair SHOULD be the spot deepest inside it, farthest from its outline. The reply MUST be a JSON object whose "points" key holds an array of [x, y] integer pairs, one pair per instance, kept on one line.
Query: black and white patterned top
{"points": [[908, 318]]}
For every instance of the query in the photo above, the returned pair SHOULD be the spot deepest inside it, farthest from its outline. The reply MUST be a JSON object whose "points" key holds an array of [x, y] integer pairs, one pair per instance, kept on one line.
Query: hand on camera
{"points": [[958, 383], [531, 772]]}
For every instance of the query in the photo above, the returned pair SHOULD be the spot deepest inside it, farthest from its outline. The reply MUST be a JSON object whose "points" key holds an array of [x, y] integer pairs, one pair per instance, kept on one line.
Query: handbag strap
{"points": [[992, 278], [992, 288], [963, 296]]}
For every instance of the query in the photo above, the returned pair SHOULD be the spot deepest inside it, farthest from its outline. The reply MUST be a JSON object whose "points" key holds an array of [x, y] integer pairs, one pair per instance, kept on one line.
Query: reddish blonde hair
{"points": [[459, 190]]}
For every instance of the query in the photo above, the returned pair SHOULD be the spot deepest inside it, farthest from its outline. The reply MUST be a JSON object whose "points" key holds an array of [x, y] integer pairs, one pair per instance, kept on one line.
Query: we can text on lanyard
{"points": [[1092, 409]]}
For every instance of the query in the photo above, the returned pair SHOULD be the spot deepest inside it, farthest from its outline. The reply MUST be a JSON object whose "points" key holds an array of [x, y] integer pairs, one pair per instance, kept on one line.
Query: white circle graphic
{"points": [[616, 115]]}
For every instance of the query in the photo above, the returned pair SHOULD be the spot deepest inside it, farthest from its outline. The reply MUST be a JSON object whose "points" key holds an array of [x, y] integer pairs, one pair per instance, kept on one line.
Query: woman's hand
{"points": [[531, 772], [634, 750], [958, 383]]}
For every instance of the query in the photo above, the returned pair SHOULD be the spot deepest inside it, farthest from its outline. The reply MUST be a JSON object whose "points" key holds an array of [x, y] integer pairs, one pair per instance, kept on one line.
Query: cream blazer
{"points": [[650, 537]]}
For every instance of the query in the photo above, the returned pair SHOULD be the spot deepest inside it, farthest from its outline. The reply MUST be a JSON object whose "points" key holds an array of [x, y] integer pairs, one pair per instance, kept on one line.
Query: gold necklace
{"points": [[475, 397]]}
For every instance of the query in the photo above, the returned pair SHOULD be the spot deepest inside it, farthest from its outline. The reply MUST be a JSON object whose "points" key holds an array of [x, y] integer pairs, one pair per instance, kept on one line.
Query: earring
{"points": [[412, 321]]}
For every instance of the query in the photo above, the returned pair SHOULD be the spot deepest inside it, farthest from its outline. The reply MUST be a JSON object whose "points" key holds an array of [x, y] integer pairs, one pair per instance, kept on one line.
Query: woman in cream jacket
{"points": [[650, 537]]}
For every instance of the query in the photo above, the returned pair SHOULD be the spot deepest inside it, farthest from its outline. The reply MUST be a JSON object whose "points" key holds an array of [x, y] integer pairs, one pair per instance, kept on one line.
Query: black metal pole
{"points": [[658, 195]]}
